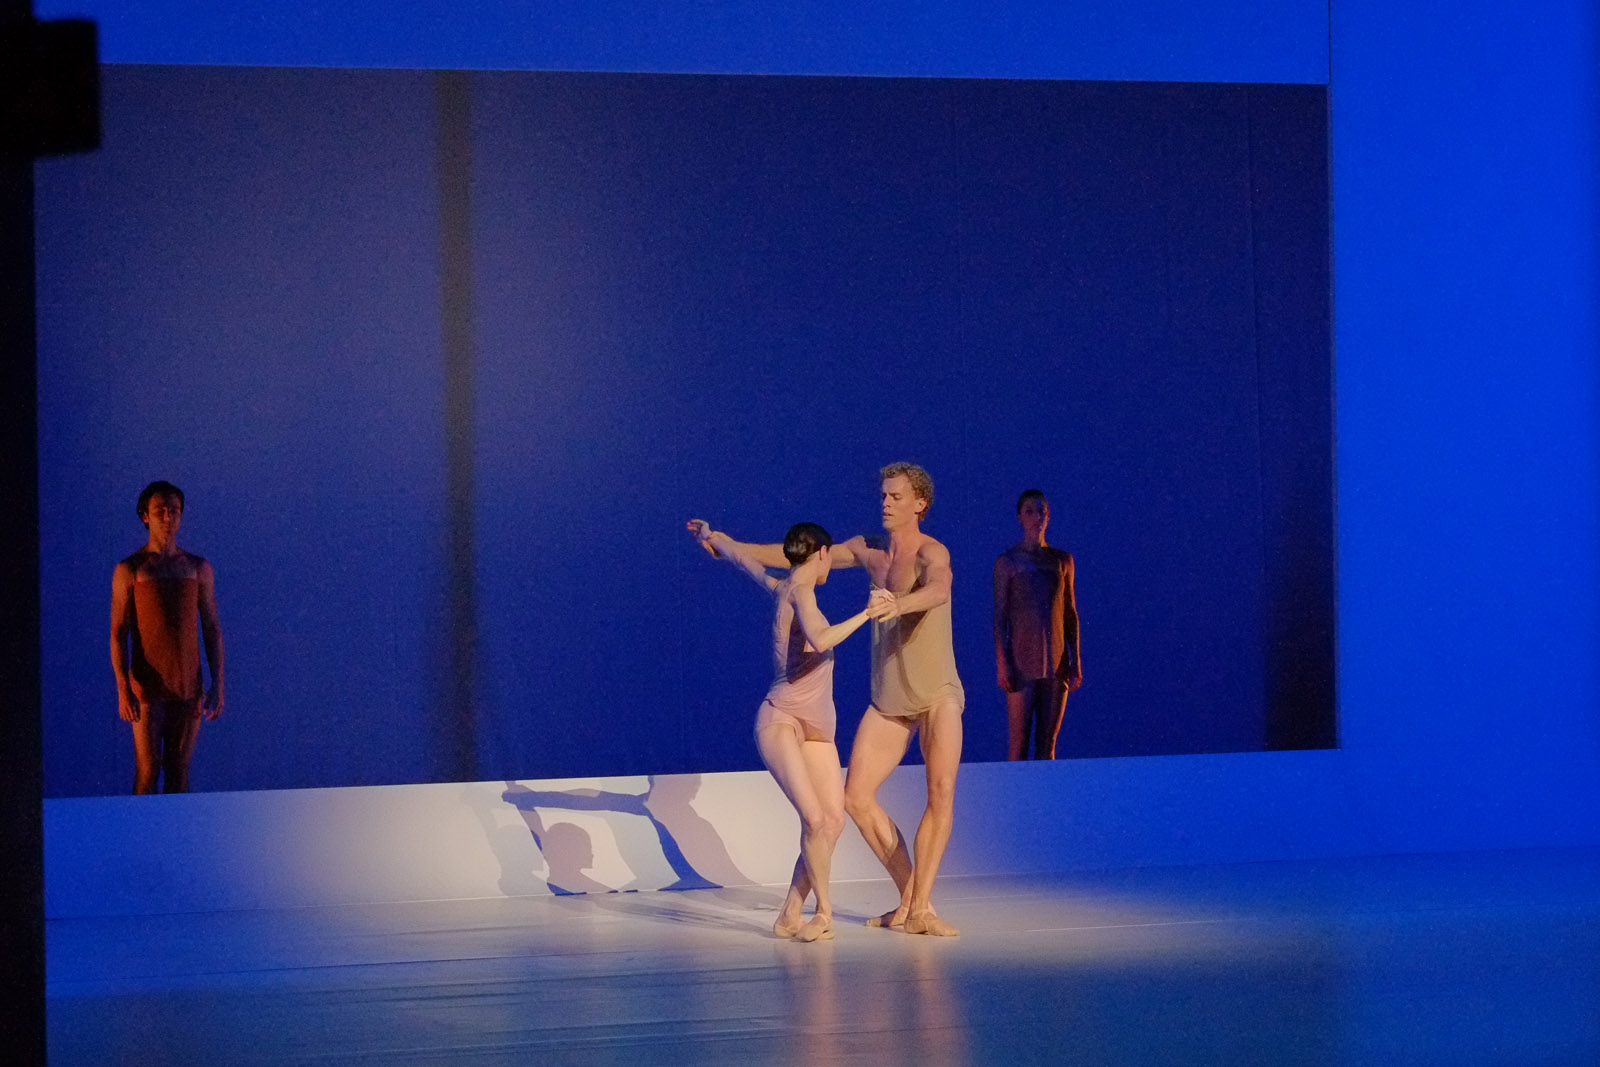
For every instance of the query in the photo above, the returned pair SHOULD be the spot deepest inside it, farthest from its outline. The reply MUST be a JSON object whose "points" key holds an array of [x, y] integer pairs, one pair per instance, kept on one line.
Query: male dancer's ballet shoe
{"points": [[931, 925], [889, 920], [818, 929]]}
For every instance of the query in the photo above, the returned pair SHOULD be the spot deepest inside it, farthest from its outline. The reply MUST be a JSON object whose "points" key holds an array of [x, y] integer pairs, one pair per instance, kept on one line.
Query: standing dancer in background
{"points": [[1035, 632], [795, 724], [163, 600], [915, 691]]}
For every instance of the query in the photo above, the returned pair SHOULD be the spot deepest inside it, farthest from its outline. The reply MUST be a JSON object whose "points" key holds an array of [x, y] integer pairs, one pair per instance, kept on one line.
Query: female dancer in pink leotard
{"points": [[795, 724]]}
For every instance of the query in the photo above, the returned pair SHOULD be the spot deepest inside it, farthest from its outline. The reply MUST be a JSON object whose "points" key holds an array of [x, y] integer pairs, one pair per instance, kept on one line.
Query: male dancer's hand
{"points": [[128, 706], [889, 605], [212, 705]]}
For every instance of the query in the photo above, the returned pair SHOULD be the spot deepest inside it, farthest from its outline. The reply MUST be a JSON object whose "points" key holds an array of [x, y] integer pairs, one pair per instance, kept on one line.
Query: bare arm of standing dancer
{"points": [[1002, 625], [211, 631], [1071, 671], [128, 708]]}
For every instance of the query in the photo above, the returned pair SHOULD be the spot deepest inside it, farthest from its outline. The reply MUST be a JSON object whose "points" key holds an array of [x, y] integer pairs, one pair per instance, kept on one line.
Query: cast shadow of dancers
{"points": [[689, 845]]}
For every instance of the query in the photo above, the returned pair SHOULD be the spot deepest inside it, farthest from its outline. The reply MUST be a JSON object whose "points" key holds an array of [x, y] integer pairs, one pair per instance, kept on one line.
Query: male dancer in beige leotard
{"points": [[163, 600], [795, 724], [915, 690]]}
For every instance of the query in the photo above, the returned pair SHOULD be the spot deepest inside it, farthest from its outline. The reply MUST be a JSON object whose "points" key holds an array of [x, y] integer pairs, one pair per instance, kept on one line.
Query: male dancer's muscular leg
{"points": [[941, 751], [880, 745], [818, 798]]}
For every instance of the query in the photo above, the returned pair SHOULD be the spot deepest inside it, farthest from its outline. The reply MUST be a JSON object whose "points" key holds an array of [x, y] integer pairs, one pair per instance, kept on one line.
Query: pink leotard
{"points": [[802, 685]]}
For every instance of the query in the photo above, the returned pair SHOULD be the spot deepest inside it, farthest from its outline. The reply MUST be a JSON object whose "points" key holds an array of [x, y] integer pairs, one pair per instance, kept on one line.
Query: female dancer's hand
{"points": [[702, 532]]}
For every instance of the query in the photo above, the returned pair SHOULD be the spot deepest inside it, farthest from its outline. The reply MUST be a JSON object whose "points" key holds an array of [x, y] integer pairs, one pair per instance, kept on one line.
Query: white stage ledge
{"points": [[204, 852], [294, 848]]}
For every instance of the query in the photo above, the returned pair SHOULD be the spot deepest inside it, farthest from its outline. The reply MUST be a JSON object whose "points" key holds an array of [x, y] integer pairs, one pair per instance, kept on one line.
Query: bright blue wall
{"points": [[1464, 165], [1134, 40]]}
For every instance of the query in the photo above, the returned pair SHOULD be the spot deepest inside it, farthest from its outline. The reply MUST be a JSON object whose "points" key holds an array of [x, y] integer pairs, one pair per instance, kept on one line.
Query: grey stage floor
{"points": [[1487, 958]]}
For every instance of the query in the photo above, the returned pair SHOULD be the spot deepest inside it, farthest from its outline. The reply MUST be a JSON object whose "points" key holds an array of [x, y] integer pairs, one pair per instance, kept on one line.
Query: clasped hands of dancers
{"points": [[915, 692]]}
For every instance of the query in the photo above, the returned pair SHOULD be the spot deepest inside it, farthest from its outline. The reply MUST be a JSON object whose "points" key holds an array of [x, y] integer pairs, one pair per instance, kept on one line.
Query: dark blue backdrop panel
{"points": [[1109, 354], [734, 297], [710, 288], [1135, 40], [240, 293], [1288, 150], [738, 297]]}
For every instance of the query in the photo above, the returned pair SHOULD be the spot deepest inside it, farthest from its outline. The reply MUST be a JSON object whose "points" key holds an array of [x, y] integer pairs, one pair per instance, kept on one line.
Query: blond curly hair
{"points": [[921, 482]]}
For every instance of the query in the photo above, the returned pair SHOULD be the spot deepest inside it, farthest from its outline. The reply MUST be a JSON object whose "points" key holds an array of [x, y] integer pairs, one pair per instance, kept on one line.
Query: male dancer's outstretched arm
{"points": [[844, 553], [820, 634]]}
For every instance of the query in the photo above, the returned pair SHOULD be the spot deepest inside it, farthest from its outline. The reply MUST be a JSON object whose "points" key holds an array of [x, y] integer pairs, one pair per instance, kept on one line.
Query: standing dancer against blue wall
{"points": [[1036, 641], [163, 605], [795, 724]]}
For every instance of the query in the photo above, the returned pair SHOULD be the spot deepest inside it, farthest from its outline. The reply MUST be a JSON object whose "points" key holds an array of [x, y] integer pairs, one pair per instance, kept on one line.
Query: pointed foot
{"points": [[931, 925], [786, 928]]}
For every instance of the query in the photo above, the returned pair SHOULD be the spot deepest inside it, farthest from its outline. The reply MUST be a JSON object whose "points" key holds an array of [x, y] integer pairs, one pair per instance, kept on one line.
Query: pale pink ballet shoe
{"points": [[932, 926], [783, 930]]}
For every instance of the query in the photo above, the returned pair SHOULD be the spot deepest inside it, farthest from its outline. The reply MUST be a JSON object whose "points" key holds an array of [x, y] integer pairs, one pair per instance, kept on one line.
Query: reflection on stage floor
{"points": [[1490, 958]]}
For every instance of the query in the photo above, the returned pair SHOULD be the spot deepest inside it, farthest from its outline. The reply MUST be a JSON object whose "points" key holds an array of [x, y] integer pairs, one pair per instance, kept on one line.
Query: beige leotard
{"points": [[914, 664], [165, 664], [1030, 630]]}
